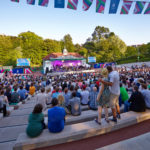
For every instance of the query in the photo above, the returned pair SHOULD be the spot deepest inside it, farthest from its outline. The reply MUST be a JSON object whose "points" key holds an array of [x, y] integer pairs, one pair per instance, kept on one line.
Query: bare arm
{"points": [[105, 82], [100, 92]]}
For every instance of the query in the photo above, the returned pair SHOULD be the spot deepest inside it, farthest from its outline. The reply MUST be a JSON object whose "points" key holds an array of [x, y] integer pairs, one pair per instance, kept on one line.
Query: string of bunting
{"points": [[100, 5]]}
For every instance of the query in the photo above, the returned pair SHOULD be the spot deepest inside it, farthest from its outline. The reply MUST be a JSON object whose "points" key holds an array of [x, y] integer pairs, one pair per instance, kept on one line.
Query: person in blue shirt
{"points": [[56, 117], [55, 95], [22, 93]]}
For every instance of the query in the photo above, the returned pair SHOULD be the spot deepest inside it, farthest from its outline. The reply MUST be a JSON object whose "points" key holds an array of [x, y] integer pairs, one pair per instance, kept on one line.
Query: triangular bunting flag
{"points": [[59, 3], [15, 1], [126, 7], [43, 3], [87, 4], [139, 6], [147, 11], [72, 4], [100, 6], [114, 6], [31, 2]]}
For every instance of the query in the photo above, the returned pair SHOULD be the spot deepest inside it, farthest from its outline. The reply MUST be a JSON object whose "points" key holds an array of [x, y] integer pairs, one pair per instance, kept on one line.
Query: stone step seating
{"points": [[11, 127], [78, 131], [137, 143], [17, 105], [83, 108], [87, 115]]}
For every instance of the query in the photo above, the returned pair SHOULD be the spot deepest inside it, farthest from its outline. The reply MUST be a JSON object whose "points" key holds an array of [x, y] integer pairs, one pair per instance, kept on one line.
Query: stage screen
{"points": [[23, 62], [91, 59]]}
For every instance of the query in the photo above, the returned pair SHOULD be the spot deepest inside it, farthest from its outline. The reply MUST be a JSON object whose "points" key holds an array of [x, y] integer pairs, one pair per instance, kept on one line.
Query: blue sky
{"points": [[54, 23]]}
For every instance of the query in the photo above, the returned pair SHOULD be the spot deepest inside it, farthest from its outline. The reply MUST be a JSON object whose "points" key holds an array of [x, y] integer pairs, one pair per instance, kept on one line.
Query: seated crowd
{"points": [[66, 94]]}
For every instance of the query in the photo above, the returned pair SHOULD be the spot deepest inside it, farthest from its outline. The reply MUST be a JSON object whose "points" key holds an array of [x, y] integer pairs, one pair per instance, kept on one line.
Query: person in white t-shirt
{"points": [[114, 83]]}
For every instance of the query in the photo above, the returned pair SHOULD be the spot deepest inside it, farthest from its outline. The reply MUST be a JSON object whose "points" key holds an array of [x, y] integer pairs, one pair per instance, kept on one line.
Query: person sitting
{"points": [[146, 93], [15, 98], [49, 96], [56, 117], [32, 89], [136, 101], [61, 101], [74, 105], [66, 96], [93, 97], [8, 94], [22, 93], [55, 95], [35, 122], [84, 96], [41, 98], [4, 104]]}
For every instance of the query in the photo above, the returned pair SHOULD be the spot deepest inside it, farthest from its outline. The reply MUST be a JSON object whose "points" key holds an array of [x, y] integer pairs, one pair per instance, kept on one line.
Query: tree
{"points": [[68, 44], [100, 32], [32, 47], [81, 50], [131, 51], [52, 46]]}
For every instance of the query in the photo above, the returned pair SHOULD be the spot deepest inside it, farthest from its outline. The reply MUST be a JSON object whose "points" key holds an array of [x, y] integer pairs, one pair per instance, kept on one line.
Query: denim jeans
{"points": [[126, 106]]}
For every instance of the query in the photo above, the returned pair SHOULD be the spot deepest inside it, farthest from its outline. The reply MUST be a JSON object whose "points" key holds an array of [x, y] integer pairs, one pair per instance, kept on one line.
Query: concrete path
{"points": [[141, 142]]}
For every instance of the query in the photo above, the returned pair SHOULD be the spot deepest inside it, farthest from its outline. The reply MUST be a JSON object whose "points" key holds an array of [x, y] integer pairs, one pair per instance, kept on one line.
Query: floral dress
{"points": [[105, 97]]}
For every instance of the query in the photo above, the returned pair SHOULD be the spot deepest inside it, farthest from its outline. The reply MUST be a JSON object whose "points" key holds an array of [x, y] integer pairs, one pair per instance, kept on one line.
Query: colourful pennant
{"points": [[72, 4], [126, 7], [139, 7], [147, 11], [100, 6], [114, 6], [31, 2], [87, 4], [15, 1], [43, 3], [59, 4]]}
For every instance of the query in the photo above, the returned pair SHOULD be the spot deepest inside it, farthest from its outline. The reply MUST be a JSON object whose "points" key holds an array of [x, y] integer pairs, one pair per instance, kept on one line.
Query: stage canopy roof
{"points": [[63, 56]]}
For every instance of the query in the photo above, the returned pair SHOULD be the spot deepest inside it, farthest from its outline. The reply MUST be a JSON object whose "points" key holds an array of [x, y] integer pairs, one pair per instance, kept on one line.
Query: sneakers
{"points": [[118, 116], [114, 120], [107, 120], [96, 120]]}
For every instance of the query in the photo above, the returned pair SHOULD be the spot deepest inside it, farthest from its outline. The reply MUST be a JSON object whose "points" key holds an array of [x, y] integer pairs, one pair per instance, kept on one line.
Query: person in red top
{"points": [[97, 83]]}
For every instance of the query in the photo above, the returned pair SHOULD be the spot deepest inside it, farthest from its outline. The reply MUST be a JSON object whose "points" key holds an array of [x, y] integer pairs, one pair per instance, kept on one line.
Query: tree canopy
{"points": [[105, 45]]}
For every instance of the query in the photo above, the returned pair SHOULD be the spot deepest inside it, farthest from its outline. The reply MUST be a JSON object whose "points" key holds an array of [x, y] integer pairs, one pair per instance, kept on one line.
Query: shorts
{"points": [[114, 99]]}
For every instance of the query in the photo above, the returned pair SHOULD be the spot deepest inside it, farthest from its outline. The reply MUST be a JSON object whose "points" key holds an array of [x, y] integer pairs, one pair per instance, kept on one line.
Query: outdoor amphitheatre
{"points": [[58, 95]]}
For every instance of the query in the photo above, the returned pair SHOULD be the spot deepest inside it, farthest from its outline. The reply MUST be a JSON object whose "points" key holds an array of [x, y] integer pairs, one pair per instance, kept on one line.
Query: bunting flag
{"points": [[100, 6], [139, 7], [147, 11], [126, 7], [87, 4], [72, 4], [43, 3], [59, 3], [31, 2], [15, 1], [114, 6], [27, 71]]}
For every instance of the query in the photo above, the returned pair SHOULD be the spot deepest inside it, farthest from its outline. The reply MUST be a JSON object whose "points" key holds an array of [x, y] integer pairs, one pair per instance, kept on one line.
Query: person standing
{"points": [[103, 97], [114, 83]]}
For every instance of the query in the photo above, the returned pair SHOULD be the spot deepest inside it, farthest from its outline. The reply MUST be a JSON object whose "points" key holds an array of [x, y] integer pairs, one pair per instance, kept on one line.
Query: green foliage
{"points": [[103, 44], [68, 44]]}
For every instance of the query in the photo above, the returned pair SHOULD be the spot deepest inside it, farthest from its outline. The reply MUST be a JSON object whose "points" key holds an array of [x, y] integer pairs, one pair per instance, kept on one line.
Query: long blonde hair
{"points": [[61, 99]]}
